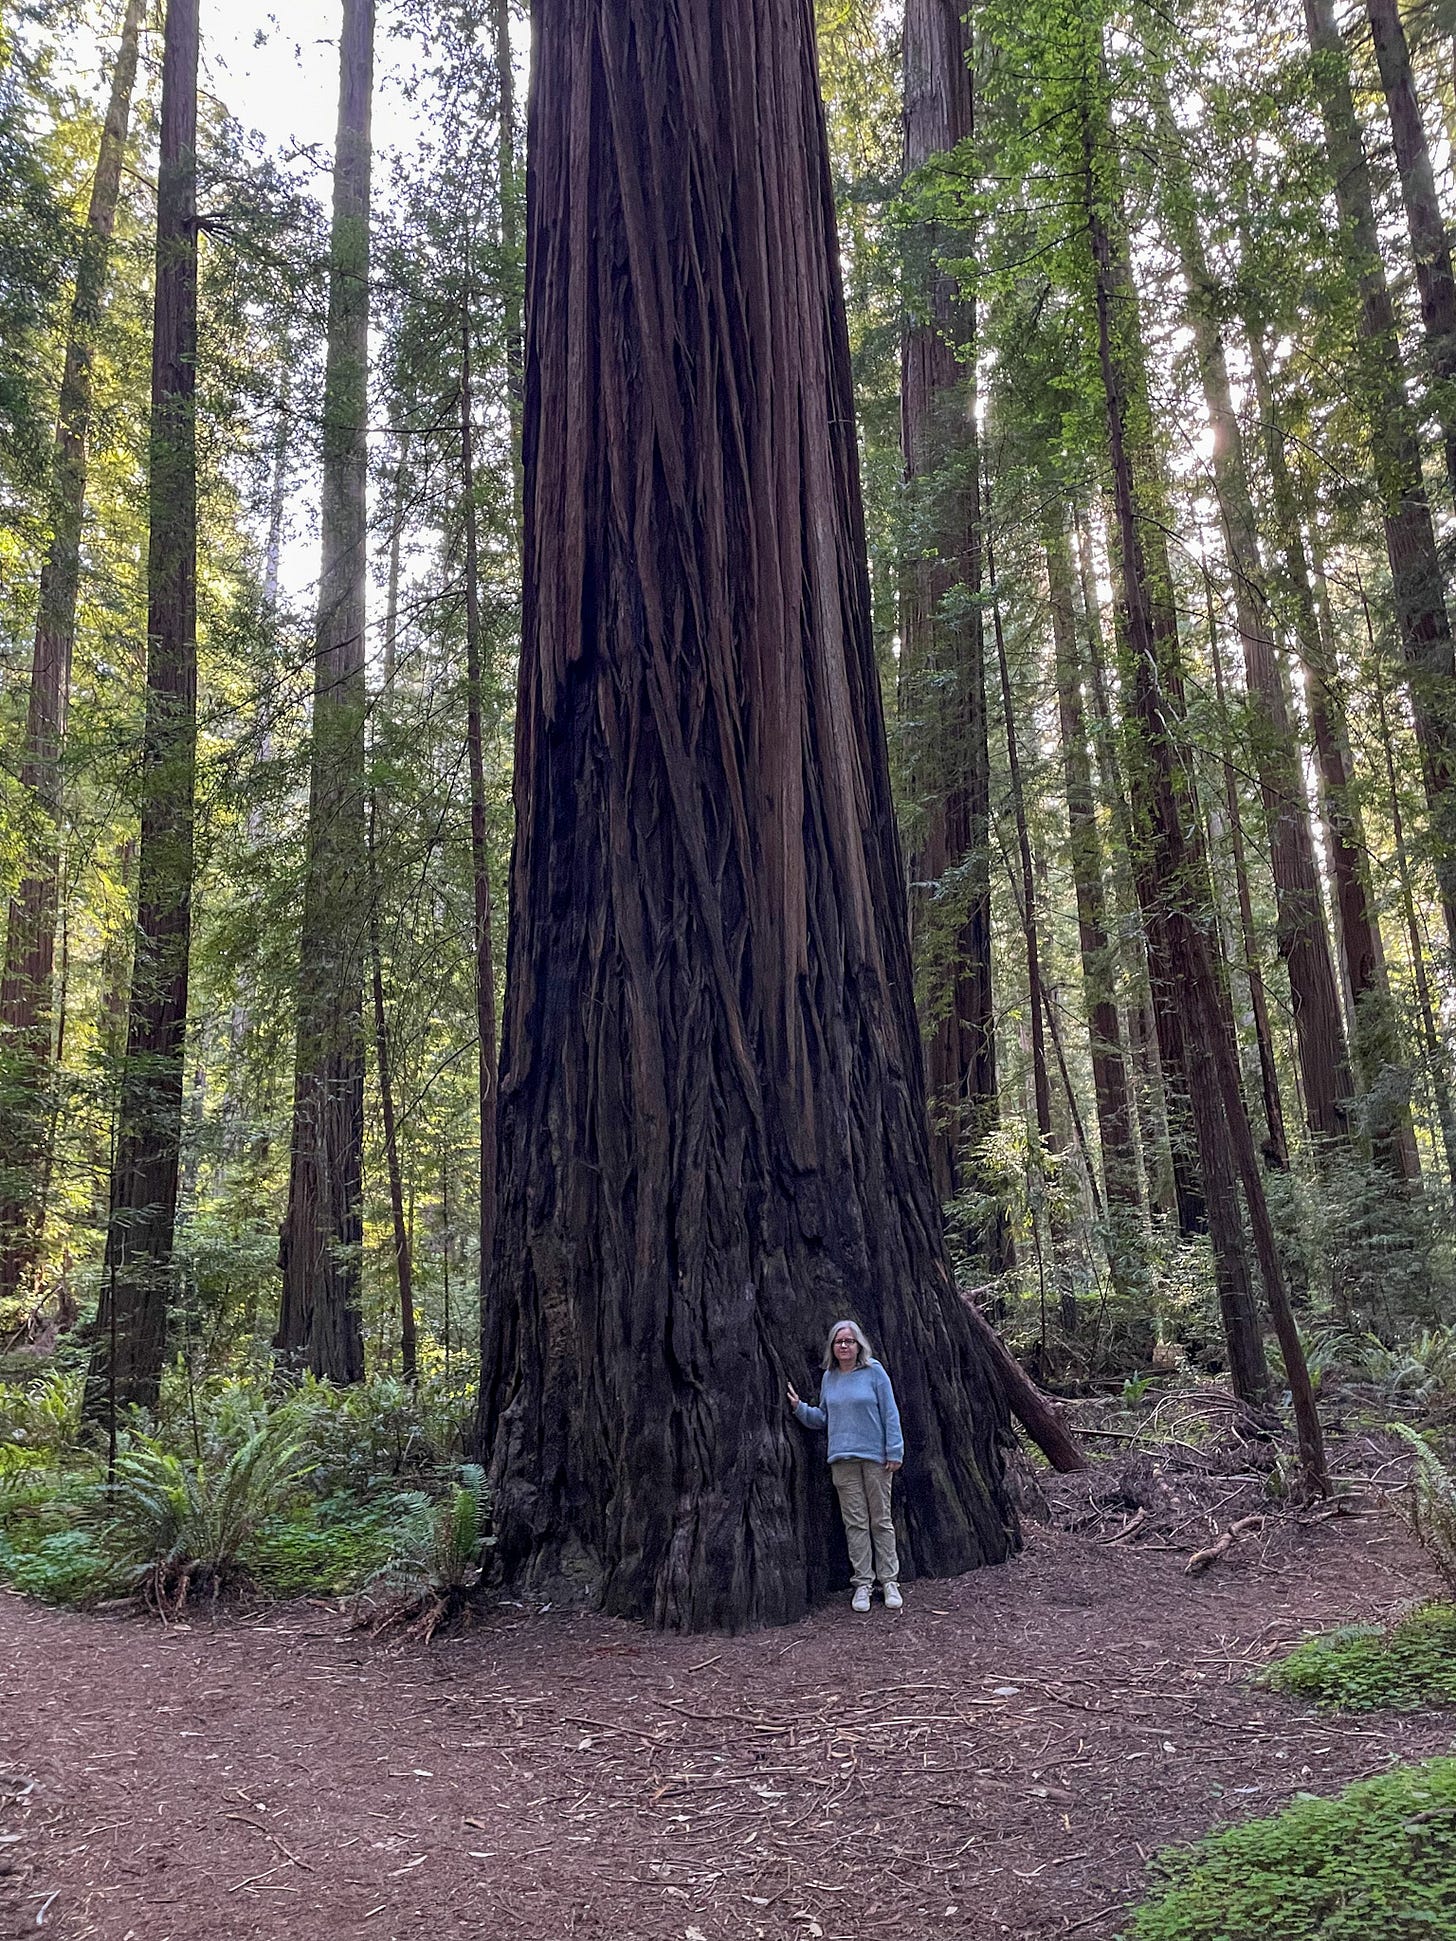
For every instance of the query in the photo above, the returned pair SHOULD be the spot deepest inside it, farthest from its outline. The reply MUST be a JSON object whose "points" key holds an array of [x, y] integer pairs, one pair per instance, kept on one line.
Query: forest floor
{"points": [[999, 1760]]}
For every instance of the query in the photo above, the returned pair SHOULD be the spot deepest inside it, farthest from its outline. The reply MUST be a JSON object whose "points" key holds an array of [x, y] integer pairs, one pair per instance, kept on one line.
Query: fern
{"points": [[173, 1526], [1431, 1508], [429, 1580]]}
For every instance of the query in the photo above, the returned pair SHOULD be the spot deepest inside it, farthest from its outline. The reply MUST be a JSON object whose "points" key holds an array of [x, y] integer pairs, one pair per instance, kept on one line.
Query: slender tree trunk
{"points": [[1170, 873], [1036, 1004], [1165, 1100], [1121, 1190], [131, 1337], [713, 1130], [479, 852], [1303, 939], [26, 1023], [1172, 1183], [943, 675], [403, 1258], [1276, 1145], [1374, 1031], [510, 240], [1430, 244], [1437, 1057], [1410, 538], [1109, 1072], [319, 1323]]}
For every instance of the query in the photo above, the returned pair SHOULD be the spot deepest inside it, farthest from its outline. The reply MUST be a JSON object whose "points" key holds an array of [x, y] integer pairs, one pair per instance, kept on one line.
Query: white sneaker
{"points": [[893, 1599], [861, 1599]]}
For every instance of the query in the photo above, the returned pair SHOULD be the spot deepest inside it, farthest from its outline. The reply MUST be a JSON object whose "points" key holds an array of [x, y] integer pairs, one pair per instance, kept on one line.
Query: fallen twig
{"points": [[1202, 1559]]}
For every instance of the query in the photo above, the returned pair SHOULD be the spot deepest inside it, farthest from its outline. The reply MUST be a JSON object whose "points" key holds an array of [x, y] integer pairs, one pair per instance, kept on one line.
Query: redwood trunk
{"points": [[484, 953], [943, 671], [26, 1067], [1304, 943], [384, 1067], [1170, 873], [1374, 1028], [1430, 245], [1109, 1071], [1164, 1106], [131, 1337], [319, 1325], [712, 1114], [1410, 538]]}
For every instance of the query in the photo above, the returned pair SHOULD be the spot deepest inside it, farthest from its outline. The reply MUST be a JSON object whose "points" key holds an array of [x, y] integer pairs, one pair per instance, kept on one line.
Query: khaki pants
{"points": [[864, 1503]]}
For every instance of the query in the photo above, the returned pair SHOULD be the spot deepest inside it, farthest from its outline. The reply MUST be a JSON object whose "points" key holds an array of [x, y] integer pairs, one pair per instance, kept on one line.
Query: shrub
{"points": [[174, 1526], [1376, 1864], [334, 1546], [1368, 1667], [429, 1579], [65, 1567], [1431, 1506]]}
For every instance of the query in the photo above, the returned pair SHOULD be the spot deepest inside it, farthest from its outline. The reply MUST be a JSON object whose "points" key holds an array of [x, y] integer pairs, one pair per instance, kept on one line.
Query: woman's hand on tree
{"points": [[793, 1396]]}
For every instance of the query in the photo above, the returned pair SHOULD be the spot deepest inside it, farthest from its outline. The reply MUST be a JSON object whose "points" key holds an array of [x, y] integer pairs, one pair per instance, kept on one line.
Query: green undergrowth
{"points": [[1376, 1667], [1378, 1863], [240, 1484]]}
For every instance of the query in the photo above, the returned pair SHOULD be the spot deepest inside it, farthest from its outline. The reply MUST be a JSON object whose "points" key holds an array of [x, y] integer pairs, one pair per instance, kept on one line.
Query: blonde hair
{"points": [[865, 1355]]}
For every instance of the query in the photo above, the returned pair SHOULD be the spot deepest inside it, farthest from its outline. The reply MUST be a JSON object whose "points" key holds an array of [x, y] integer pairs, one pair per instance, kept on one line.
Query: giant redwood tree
{"points": [[131, 1334], [323, 1230], [712, 1113], [942, 631]]}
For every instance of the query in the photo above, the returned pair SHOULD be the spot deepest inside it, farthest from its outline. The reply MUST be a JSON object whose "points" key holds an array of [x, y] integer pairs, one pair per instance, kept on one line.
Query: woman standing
{"points": [[865, 1449]]}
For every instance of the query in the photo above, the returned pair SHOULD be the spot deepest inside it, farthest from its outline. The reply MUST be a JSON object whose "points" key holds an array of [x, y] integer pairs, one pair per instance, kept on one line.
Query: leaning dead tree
{"points": [[712, 1111]]}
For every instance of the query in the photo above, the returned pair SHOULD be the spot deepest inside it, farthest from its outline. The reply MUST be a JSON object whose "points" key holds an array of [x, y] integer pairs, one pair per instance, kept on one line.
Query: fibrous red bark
{"points": [[131, 1334], [942, 635], [712, 1112], [26, 1020], [319, 1253]]}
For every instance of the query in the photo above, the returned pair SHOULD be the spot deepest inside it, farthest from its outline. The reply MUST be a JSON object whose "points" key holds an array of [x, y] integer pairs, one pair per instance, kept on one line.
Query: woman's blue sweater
{"points": [[859, 1407]]}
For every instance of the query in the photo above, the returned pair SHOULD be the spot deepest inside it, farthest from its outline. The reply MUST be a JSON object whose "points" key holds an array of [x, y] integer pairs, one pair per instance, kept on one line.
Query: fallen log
{"points": [[1037, 1413]]}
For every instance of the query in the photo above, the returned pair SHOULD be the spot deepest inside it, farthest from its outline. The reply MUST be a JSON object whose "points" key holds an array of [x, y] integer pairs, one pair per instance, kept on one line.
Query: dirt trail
{"points": [[995, 1762]]}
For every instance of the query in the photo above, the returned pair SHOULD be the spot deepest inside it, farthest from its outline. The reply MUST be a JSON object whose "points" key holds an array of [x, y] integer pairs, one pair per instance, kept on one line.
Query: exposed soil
{"points": [[999, 1760]]}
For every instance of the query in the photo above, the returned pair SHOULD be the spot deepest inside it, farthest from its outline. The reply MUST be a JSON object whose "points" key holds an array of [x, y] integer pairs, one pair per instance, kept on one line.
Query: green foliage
{"points": [[1431, 1506], [1376, 1864], [173, 1525], [428, 1580], [1374, 1667], [66, 1567], [334, 1546]]}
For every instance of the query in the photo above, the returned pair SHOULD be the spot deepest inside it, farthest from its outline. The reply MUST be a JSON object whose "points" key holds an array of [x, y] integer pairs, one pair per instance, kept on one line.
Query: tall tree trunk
{"points": [[1430, 244], [1374, 1031], [1168, 1071], [131, 1337], [1437, 1057], [1171, 876], [1170, 1164], [510, 240], [1171, 872], [1410, 538], [384, 1065], [942, 630], [712, 1113], [1047, 1140], [479, 852], [1109, 1071], [1304, 944], [26, 1023], [319, 1325], [1276, 1145]]}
